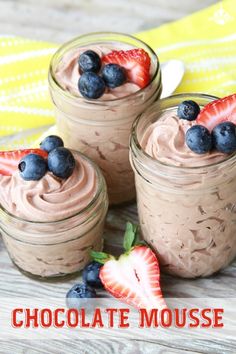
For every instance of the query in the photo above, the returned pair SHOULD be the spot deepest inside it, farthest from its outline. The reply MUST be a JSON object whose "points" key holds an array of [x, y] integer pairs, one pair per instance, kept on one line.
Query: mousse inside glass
{"points": [[186, 201], [49, 226], [100, 128]]}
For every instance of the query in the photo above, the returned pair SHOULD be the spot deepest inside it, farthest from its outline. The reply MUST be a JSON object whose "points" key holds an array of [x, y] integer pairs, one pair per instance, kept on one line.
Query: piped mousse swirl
{"points": [[50, 198], [67, 73], [164, 140]]}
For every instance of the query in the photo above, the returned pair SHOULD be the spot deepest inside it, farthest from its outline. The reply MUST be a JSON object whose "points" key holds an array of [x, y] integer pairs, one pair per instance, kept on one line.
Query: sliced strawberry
{"points": [[136, 62], [9, 160], [134, 278], [218, 111]]}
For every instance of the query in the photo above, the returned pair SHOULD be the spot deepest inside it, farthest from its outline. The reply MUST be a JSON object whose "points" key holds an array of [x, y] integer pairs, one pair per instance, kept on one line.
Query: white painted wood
{"points": [[60, 20]]}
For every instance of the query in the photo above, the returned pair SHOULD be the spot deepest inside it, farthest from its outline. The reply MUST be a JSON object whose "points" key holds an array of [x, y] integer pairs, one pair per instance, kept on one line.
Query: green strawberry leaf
{"points": [[136, 231], [100, 257], [131, 236]]}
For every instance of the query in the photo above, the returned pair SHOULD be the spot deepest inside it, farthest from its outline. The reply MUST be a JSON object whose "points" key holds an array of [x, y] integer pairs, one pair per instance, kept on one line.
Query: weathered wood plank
{"points": [[58, 21]]}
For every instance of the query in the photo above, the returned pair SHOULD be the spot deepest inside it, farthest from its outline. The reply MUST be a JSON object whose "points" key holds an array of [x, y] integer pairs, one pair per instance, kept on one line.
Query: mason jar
{"points": [[187, 214], [52, 249], [101, 128]]}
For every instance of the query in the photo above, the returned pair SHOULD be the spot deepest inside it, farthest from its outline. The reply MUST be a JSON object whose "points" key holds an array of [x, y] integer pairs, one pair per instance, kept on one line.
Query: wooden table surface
{"points": [[60, 20]]}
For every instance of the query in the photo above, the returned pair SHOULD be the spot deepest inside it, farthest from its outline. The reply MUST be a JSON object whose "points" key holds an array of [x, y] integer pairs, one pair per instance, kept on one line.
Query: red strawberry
{"points": [[9, 160], [136, 62], [134, 278], [218, 111]]}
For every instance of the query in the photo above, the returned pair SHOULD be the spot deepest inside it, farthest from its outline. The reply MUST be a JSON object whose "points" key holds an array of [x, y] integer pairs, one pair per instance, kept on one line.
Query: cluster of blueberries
{"points": [[199, 139], [60, 161], [85, 290], [93, 85]]}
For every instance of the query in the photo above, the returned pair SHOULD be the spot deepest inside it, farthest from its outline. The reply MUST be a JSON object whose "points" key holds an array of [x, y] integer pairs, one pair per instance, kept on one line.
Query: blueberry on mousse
{"points": [[224, 137], [89, 61], [51, 142], [114, 75], [112, 70], [199, 139], [32, 167], [215, 126], [61, 162], [91, 85], [91, 275], [79, 295], [188, 110], [33, 164]]}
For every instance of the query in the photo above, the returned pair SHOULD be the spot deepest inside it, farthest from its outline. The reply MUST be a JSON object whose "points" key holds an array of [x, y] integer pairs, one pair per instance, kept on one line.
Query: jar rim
{"points": [[70, 44], [101, 184], [134, 142]]}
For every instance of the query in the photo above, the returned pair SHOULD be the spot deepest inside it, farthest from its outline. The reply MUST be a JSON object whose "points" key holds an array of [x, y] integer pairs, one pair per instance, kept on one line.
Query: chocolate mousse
{"points": [[68, 73], [186, 199], [164, 140], [50, 224], [98, 121], [51, 198]]}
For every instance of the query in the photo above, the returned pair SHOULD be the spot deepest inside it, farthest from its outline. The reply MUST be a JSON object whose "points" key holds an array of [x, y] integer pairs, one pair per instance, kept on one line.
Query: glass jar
{"points": [[101, 128], [58, 248], [187, 214]]}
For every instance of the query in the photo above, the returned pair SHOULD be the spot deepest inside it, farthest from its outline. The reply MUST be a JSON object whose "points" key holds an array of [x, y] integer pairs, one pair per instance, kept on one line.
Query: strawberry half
{"points": [[9, 160], [136, 62], [218, 111], [134, 277]]}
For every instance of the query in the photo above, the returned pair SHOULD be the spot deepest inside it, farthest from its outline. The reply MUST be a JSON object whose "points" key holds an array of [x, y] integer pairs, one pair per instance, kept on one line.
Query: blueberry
{"points": [[79, 296], [91, 274], [89, 61], [188, 110], [51, 142], [61, 162], [91, 85], [224, 137], [113, 75], [32, 167], [198, 139]]}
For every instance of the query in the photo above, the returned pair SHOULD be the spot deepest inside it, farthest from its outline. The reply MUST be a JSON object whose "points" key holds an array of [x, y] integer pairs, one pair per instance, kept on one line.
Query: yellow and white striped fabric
{"points": [[24, 97], [205, 41]]}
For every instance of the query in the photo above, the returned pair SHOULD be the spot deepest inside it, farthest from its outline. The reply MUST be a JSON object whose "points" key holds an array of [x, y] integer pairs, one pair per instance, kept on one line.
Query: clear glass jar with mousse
{"points": [[101, 128], [50, 250], [187, 214]]}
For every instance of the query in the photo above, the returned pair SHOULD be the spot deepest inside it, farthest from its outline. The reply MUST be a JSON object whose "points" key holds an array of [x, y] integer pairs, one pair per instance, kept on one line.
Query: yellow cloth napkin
{"points": [[205, 41]]}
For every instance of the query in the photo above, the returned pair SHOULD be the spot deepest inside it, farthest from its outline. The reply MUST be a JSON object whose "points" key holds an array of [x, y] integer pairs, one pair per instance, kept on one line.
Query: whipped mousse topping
{"points": [[50, 198], [67, 73], [164, 140]]}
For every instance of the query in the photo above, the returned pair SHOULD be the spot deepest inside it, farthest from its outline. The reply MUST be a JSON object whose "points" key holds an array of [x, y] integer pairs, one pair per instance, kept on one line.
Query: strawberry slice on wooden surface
{"points": [[218, 111], [136, 62], [9, 160], [134, 277]]}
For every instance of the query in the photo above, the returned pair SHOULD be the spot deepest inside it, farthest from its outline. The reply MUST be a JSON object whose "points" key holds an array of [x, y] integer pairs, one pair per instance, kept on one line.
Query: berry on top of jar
{"points": [[112, 70], [33, 164], [215, 127]]}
